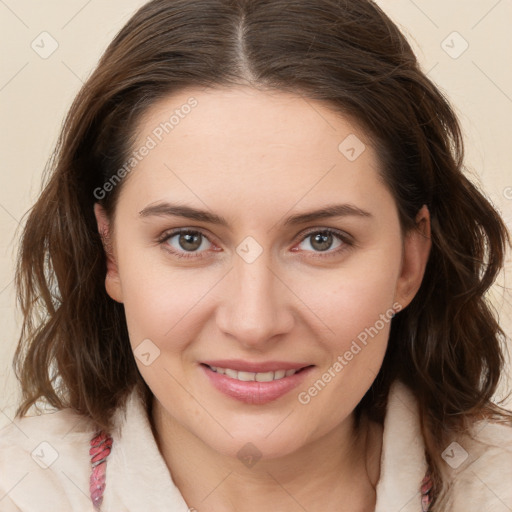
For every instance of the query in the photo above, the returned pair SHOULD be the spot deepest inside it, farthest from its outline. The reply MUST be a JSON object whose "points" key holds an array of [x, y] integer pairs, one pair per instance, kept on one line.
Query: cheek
{"points": [[357, 308], [348, 299], [154, 297], [157, 307]]}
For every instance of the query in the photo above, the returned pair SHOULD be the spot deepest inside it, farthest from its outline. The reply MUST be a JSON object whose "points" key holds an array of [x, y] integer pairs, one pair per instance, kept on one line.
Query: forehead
{"points": [[247, 118], [252, 146]]}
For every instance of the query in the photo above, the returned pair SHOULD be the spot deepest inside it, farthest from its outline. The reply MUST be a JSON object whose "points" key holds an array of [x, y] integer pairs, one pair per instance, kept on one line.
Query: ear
{"points": [[112, 279], [416, 249]]}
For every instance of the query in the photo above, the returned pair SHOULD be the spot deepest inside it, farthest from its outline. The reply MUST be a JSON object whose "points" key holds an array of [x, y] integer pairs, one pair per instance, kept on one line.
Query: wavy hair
{"points": [[446, 346]]}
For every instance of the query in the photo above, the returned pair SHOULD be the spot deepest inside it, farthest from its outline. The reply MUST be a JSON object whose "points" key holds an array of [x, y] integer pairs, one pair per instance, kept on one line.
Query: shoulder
{"points": [[481, 468], [45, 459]]}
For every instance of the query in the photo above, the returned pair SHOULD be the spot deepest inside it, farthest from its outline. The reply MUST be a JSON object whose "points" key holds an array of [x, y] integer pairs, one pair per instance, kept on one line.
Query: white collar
{"points": [[135, 456], [403, 463], [143, 481]]}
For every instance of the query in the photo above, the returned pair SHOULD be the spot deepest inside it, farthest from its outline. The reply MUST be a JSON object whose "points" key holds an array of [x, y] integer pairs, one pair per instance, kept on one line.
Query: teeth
{"points": [[250, 376], [263, 377], [279, 374], [230, 373], [246, 376]]}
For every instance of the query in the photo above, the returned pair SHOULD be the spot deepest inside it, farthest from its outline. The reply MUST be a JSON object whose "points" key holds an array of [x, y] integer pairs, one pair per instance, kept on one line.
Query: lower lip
{"points": [[253, 392]]}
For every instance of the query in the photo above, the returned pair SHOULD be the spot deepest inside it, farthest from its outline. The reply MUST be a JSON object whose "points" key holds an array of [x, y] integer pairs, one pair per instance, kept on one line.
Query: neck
{"points": [[338, 472]]}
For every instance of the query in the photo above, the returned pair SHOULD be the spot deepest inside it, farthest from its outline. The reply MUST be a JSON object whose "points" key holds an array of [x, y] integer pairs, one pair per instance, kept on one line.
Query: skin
{"points": [[236, 155]]}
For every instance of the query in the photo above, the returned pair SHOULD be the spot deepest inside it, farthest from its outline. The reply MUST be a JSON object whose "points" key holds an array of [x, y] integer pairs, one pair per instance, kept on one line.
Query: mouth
{"points": [[246, 376], [243, 382]]}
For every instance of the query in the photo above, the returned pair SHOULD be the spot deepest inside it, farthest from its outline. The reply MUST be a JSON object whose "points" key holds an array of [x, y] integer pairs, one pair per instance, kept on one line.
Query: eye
{"points": [[187, 243], [183, 241], [322, 240]]}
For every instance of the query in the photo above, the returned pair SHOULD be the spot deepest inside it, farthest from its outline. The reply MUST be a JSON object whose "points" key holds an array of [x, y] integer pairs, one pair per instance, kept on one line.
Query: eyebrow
{"points": [[175, 210]]}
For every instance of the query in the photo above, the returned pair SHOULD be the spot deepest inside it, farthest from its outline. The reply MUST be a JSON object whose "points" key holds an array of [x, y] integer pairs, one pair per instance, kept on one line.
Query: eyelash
{"points": [[344, 238]]}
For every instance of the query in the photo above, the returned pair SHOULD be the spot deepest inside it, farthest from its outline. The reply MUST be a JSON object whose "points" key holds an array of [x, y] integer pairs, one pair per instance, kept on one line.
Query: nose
{"points": [[257, 306]]}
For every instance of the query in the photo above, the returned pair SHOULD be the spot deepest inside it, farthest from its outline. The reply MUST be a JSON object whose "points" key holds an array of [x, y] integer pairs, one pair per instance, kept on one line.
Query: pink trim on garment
{"points": [[426, 488], [101, 445]]}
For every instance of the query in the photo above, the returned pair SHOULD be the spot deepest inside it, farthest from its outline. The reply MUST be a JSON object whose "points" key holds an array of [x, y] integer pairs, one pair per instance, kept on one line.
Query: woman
{"points": [[262, 273]]}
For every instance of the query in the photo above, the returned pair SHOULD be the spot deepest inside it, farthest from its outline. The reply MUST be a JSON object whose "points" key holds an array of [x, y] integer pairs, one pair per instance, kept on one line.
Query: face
{"points": [[250, 315]]}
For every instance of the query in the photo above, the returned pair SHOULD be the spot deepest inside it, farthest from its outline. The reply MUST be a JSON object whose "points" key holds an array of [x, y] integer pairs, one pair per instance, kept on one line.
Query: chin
{"points": [[253, 444]]}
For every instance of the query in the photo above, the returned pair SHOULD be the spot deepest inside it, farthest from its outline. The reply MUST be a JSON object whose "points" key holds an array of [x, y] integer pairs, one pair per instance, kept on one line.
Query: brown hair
{"points": [[445, 346]]}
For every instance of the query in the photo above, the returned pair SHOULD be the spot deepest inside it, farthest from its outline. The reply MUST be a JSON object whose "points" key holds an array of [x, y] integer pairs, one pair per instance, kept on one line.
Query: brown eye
{"points": [[185, 243], [189, 242], [322, 241]]}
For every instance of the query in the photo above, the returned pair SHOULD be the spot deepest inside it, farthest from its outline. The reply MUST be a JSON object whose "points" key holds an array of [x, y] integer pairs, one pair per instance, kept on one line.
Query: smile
{"points": [[255, 387], [251, 376]]}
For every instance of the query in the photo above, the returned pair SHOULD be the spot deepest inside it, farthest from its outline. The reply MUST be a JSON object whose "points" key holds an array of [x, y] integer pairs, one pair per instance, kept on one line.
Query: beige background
{"points": [[36, 92]]}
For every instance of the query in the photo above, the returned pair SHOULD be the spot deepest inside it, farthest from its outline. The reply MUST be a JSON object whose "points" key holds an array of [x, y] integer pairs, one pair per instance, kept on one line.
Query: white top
{"points": [[45, 464]]}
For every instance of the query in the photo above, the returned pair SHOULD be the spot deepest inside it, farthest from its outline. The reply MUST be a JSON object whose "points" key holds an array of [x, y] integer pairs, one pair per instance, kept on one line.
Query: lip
{"points": [[253, 392], [250, 366]]}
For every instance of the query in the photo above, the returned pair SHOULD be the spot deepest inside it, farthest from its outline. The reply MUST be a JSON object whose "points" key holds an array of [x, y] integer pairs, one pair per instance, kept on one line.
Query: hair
{"points": [[446, 346]]}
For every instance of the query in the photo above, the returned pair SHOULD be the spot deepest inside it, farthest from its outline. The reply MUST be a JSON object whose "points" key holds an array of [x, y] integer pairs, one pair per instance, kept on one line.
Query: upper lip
{"points": [[255, 367]]}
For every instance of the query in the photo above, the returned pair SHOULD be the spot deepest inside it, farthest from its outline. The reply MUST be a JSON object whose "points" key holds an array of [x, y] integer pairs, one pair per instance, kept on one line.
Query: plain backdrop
{"points": [[465, 47]]}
